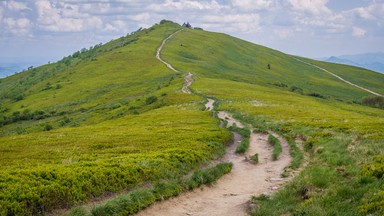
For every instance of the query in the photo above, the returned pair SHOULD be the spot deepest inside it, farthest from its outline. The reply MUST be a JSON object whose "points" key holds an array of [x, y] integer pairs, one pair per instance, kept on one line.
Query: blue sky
{"points": [[47, 30]]}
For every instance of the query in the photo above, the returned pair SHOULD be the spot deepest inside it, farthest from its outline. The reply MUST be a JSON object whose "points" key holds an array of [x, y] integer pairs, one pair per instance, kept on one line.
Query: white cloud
{"points": [[364, 13], [18, 26], [358, 32], [1, 13], [175, 6], [232, 22], [14, 5], [64, 18], [141, 17], [316, 7], [248, 5], [116, 26]]}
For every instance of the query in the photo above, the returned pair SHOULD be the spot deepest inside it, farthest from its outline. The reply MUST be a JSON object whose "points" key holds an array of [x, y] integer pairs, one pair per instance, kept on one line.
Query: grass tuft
{"points": [[277, 148]]}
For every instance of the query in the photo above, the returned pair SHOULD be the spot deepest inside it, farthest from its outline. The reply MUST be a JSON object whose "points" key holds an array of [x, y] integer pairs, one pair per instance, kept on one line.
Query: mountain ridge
{"points": [[113, 118], [371, 61]]}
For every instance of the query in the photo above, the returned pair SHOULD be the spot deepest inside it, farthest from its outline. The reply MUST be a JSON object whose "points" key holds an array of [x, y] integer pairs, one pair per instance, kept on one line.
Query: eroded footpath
{"points": [[230, 194]]}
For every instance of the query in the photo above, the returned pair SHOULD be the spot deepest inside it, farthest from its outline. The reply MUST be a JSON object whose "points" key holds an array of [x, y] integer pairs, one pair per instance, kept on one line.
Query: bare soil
{"points": [[158, 52], [209, 104], [188, 81]]}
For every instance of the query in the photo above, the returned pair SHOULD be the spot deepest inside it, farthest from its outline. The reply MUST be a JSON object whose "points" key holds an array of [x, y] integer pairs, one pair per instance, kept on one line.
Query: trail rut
{"points": [[231, 193], [188, 81]]}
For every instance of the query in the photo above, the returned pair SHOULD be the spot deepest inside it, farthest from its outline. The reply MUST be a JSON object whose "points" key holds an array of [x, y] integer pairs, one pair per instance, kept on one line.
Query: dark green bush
{"points": [[48, 127], [296, 89], [316, 95], [255, 158], [374, 101], [150, 100]]}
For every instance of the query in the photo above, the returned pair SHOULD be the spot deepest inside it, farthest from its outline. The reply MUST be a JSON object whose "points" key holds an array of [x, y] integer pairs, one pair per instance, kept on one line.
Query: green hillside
{"points": [[112, 117]]}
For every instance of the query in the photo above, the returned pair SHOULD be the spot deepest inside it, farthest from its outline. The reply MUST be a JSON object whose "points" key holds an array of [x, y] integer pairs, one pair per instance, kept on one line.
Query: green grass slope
{"points": [[90, 85], [102, 120], [343, 140], [112, 117], [216, 55]]}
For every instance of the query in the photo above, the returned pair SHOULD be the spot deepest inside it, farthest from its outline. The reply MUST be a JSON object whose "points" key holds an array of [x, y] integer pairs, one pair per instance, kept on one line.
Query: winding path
{"points": [[229, 196], [158, 52], [188, 81], [338, 77], [188, 78]]}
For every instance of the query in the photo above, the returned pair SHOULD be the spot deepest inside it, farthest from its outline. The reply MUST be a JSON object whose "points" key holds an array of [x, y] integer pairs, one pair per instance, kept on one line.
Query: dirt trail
{"points": [[231, 193], [158, 52], [188, 81], [338, 77], [209, 104]]}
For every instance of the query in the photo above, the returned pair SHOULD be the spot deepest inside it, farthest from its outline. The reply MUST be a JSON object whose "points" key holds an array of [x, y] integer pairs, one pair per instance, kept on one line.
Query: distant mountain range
{"points": [[9, 69], [371, 61], [10, 66]]}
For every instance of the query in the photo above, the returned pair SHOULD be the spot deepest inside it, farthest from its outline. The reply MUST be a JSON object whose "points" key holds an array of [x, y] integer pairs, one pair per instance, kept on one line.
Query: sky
{"points": [[47, 30]]}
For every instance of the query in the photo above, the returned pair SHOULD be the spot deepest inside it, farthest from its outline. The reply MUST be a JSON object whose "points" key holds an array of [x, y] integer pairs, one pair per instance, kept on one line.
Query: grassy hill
{"points": [[112, 117]]}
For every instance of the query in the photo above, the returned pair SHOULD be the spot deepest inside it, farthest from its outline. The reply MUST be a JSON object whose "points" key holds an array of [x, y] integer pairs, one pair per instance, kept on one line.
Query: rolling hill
{"points": [[112, 118]]}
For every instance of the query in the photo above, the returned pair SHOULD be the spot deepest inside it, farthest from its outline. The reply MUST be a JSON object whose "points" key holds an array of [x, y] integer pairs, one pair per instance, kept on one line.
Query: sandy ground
{"points": [[231, 193]]}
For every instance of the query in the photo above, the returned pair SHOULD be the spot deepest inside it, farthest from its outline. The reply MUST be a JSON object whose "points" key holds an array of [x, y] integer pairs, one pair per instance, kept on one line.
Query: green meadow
{"points": [[342, 138], [112, 118]]}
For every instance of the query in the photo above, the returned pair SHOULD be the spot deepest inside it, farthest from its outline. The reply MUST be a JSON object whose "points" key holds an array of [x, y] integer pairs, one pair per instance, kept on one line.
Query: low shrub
{"points": [[244, 144], [126, 204], [208, 176], [255, 158], [150, 100], [79, 211], [48, 127], [374, 101], [375, 168], [316, 95], [137, 200], [165, 190]]}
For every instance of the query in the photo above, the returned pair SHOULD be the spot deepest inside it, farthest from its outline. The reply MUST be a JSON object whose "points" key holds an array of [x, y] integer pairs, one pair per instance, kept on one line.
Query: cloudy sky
{"points": [[50, 29]]}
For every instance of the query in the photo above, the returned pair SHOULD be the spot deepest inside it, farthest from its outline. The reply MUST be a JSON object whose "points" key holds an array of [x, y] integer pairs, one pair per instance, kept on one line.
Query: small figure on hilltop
{"points": [[187, 25]]}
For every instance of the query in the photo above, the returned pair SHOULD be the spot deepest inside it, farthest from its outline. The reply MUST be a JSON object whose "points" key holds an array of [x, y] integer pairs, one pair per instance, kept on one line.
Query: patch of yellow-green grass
{"points": [[338, 137], [59, 168]]}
